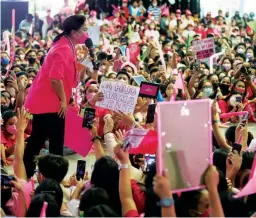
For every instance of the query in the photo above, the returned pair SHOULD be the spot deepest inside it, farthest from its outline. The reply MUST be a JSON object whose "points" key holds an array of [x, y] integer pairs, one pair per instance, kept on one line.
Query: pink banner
{"points": [[77, 138], [147, 144]]}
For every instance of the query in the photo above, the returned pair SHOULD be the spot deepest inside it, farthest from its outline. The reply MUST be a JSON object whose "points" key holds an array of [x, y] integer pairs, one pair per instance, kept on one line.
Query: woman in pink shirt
{"points": [[51, 91]]}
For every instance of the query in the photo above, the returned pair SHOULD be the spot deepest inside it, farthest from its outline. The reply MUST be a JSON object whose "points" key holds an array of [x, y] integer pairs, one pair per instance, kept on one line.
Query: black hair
{"points": [[31, 70], [188, 201], [7, 115], [219, 159], [51, 187], [22, 73], [102, 56], [74, 22], [230, 134], [123, 72], [250, 138], [30, 16], [42, 60], [240, 44], [151, 208], [106, 175], [93, 197], [6, 195], [58, 165], [17, 65], [247, 161], [227, 58], [241, 56], [101, 210], [37, 202]]}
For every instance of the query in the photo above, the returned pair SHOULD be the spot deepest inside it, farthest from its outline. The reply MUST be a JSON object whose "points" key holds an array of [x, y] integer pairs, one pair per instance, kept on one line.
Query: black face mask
{"points": [[31, 60], [215, 86], [4, 108], [224, 88]]}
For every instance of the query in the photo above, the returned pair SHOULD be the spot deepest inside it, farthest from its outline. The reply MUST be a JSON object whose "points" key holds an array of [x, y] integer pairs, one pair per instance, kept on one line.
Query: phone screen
{"points": [[236, 147], [238, 99], [151, 113], [89, 115], [6, 180], [80, 170], [149, 160]]}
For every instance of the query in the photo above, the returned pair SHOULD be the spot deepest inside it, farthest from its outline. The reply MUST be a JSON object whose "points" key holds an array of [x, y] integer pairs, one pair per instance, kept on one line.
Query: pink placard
{"points": [[77, 138], [179, 84], [185, 142]]}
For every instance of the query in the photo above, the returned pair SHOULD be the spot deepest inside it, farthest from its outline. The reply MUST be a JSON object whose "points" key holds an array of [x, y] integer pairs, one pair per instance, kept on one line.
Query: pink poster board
{"points": [[185, 142], [76, 137]]}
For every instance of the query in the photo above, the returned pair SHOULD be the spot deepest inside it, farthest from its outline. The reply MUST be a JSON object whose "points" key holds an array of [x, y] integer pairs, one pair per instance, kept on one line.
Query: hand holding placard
{"points": [[118, 96]]}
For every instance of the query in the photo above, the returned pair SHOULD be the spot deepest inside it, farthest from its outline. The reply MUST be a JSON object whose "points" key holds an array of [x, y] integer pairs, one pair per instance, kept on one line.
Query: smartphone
{"points": [[151, 113], [148, 90], [245, 118], [89, 115], [6, 180], [80, 169], [238, 99], [123, 40], [236, 147], [149, 160]]}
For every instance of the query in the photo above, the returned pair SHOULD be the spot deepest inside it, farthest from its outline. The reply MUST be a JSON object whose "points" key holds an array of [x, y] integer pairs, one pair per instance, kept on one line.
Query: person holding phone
{"points": [[51, 91], [92, 95], [235, 101]]}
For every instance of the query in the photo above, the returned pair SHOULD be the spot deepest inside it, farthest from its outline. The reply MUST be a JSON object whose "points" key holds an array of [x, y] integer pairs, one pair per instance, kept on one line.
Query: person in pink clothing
{"points": [[51, 91]]}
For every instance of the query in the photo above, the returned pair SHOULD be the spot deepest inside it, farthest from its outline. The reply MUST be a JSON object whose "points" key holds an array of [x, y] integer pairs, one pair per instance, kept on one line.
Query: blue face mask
{"points": [[5, 61], [207, 92]]}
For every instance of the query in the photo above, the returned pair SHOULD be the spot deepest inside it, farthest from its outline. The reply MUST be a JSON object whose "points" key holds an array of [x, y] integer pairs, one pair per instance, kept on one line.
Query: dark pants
{"points": [[44, 126]]}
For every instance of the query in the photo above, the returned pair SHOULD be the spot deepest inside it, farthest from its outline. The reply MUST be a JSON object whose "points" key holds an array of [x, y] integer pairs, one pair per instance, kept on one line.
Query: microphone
{"points": [[89, 44]]}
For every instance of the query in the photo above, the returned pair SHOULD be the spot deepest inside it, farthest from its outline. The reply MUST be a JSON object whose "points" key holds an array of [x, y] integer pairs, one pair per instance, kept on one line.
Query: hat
{"points": [[188, 12], [178, 11]]}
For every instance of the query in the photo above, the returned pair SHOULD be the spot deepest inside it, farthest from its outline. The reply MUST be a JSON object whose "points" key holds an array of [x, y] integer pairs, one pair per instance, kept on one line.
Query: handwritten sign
{"points": [[118, 96], [204, 49]]}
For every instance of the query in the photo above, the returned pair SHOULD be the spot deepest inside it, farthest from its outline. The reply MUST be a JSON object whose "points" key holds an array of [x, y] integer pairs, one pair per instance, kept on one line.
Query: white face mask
{"points": [[240, 50]]}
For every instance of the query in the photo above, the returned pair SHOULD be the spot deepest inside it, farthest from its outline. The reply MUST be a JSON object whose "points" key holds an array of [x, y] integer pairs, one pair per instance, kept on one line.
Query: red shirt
{"points": [[100, 114], [138, 196], [59, 64], [7, 141]]}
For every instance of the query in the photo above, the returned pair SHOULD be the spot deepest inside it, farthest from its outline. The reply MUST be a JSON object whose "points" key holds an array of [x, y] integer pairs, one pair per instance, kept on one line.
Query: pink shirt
{"points": [[59, 64]]}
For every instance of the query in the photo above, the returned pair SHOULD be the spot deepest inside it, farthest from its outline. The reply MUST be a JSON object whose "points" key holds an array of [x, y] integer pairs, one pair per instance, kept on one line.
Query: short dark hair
{"points": [[52, 187], [53, 166], [36, 205], [219, 159], [93, 197], [230, 134]]}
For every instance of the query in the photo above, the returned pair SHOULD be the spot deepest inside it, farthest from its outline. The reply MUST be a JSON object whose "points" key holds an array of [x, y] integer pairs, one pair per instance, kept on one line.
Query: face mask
{"points": [[82, 37], [240, 51], [90, 95], [249, 55], [224, 88], [31, 60], [212, 26], [226, 67], [239, 90], [22, 57], [5, 61], [207, 92], [215, 85], [12, 129], [154, 4]]}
